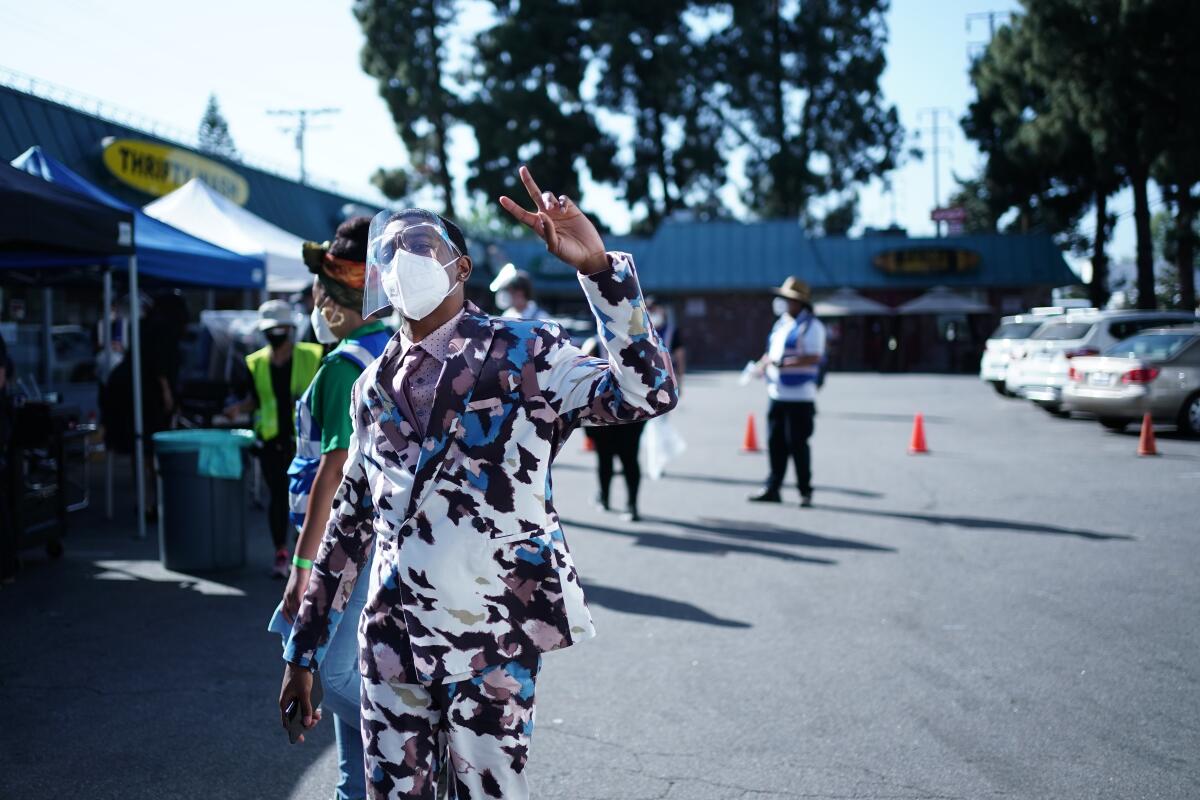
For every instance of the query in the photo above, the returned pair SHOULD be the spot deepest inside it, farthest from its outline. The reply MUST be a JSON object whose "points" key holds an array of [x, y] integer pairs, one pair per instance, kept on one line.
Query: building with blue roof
{"points": [[716, 276]]}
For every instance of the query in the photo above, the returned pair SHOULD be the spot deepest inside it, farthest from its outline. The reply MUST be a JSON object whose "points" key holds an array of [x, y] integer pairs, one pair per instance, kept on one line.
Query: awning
{"points": [[940, 300], [846, 302], [199, 210], [164, 253], [45, 224]]}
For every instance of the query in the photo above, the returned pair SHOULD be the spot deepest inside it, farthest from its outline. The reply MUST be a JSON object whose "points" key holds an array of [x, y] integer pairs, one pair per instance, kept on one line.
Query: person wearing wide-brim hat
{"points": [[792, 367]]}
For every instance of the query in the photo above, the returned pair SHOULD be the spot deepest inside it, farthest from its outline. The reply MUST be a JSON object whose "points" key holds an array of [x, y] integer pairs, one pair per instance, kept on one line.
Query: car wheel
{"points": [[1189, 416], [1114, 424], [999, 387], [1054, 409]]}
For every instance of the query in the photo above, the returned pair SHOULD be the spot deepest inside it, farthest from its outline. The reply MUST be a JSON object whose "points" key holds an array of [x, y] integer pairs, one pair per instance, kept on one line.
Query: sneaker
{"points": [[766, 496], [806, 501], [631, 515], [283, 565]]}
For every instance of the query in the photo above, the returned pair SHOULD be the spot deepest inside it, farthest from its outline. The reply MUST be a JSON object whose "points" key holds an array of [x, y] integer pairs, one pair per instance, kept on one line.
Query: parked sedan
{"points": [[1156, 371], [1043, 371], [1007, 343]]}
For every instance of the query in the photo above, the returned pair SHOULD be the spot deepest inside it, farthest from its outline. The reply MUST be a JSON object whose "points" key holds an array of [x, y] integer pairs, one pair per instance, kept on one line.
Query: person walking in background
{"points": [[792, 366], [323, 433], [616, 443], [664, 322], [449, 484], [514, 294], [279, 374]]}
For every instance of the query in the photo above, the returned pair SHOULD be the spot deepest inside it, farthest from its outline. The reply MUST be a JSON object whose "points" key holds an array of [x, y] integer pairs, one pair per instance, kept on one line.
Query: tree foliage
{"points": [[654, 99], [405, 52], [213, 134]]}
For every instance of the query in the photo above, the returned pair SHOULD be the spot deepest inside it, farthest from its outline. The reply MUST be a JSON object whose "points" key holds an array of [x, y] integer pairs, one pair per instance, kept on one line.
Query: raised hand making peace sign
{"points": [[567, 233]]}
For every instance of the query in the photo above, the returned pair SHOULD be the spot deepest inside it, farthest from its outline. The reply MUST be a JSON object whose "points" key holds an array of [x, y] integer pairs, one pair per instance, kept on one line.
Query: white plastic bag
{"points": [[661, 443]]}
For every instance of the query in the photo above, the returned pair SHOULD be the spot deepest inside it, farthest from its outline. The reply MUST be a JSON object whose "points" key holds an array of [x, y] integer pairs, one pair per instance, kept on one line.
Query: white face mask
{"points": [[321, 329], [779, 306], [416, 285], [504, 299]]}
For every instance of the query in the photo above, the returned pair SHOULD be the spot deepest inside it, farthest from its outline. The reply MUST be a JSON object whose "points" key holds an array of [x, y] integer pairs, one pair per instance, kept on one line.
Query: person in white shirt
{"points": [[792, 366], [515, 297]]}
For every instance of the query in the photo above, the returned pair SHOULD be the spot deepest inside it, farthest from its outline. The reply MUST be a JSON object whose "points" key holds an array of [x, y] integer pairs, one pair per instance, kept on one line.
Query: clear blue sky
{"points": [[163, 59]]}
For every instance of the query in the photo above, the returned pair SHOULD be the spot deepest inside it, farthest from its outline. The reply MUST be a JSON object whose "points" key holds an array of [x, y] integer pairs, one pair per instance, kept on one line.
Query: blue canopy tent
{"points": [[161, 252]]}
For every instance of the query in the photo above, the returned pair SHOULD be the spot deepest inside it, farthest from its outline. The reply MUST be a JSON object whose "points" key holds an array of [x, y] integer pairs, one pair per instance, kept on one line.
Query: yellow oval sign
{"points": [[925, 261], [159, 169]]}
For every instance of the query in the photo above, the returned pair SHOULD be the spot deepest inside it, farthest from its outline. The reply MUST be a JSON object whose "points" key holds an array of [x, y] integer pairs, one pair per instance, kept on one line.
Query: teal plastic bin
{"points": [[202, 498]]}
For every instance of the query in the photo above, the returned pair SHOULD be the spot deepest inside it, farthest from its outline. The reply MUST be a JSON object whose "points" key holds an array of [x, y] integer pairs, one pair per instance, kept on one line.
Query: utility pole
{"points": [[301, 127], [991, 17], [934, 113]]}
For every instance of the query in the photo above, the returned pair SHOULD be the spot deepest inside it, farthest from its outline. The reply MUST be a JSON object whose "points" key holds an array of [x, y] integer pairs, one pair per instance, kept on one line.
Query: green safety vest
{"points": [[306, 360]]}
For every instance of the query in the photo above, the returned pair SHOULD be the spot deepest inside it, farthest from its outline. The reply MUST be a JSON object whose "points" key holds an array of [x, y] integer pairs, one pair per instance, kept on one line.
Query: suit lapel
{"points": [[469, 349]]}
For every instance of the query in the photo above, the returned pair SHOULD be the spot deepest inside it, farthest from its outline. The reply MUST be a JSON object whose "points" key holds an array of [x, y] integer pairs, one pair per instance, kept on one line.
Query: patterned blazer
{"points": [[472, 568]]}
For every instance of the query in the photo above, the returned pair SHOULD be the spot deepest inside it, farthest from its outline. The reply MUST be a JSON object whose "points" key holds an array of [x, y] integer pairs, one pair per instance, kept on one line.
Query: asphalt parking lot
{"points": [[1012, 615]]}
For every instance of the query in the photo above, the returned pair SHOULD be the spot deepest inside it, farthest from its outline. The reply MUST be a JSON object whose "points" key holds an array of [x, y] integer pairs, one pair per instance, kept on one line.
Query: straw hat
{"points": [[794, 289]]}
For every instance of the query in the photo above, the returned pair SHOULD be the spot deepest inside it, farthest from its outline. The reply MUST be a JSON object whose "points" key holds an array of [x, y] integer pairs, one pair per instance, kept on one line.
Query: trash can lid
{"points": [[190, 441]]}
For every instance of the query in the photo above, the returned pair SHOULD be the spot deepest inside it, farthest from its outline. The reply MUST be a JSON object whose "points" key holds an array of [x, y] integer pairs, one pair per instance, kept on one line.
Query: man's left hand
{"points": [[567, 232]]}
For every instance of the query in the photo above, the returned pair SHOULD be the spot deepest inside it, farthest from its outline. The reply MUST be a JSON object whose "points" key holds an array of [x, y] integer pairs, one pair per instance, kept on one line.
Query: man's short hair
{"points": [[456, 235]]}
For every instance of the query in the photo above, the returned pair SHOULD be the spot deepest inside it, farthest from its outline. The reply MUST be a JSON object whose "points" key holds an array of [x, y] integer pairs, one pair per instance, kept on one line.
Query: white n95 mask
{"points": [[321, 329], [416, 285]]}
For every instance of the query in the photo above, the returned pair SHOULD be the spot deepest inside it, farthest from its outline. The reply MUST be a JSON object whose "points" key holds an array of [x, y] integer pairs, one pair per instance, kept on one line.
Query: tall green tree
{"points": [[213, 134], [804, 99], [656, 68], [405, 51], [525, 104], [1106, 59]]}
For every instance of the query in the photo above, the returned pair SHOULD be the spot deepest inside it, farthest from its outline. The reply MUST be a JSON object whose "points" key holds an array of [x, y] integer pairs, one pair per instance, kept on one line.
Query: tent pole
{"points": [[135, 353], [106, 343], [47, 338]]}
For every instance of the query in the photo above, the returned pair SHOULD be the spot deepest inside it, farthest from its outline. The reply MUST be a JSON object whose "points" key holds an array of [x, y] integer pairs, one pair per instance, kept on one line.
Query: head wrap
{"points": [[340, 265]]}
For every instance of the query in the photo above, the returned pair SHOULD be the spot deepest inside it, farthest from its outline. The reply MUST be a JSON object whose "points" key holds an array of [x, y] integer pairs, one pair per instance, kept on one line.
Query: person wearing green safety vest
{"points": [[279, 373]]}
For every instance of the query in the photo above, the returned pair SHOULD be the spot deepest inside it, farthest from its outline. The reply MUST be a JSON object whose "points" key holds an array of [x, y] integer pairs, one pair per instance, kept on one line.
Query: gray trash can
{"points": [[202, 498]]}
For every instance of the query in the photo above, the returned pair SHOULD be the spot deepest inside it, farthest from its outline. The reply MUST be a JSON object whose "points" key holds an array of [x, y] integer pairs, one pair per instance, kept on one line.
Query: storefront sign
{"points": [[926, 261], [159, 169]]}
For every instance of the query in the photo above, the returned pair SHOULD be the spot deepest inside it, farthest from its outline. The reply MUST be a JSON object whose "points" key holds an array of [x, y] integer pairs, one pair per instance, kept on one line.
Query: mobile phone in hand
{"points": [[294, 715]]}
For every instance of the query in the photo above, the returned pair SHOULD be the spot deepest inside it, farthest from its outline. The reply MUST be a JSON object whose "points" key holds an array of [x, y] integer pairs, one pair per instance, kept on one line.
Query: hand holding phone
{"points": [[299, 700]]}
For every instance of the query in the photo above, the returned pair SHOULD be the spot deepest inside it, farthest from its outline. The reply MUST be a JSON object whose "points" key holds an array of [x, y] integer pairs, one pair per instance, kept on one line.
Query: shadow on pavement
{"points": [[653, 606], [767, 533], [681, 544], [980, 523], [689, 477]]}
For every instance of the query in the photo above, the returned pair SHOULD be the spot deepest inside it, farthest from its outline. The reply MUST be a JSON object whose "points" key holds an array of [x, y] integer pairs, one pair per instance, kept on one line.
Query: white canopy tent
{"points": [[199, 210], [846, 302]]}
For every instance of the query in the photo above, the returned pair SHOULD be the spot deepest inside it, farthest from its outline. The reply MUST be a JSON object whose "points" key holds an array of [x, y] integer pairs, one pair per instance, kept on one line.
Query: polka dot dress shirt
{"points": [[420, 368]]}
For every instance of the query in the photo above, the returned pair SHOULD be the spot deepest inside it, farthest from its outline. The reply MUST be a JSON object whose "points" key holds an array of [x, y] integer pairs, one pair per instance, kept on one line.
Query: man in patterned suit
{"points": [[448, 478]]}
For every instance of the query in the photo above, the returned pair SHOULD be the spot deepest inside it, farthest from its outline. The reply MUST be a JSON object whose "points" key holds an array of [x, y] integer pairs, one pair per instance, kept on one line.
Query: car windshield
{"points": [[1063, 330], [1150, 346], [1015, 330]]}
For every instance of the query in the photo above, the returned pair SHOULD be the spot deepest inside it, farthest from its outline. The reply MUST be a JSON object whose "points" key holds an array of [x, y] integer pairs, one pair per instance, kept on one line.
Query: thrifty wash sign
{"points": [[158, 169]]}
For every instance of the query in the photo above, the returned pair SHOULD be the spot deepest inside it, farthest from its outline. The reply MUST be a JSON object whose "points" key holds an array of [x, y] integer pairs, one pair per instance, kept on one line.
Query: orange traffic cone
{"points": [[917, 443], [1146, 443], [750, 439], [588, 445]]}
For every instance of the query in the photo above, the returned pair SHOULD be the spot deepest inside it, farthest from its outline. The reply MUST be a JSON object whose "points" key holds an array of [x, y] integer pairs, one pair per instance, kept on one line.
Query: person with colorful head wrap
{"points": [[323, 432]]}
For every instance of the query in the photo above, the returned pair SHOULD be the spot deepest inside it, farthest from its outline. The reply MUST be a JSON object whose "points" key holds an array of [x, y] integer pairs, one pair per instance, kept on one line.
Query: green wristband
{"points": [[302, 563]]}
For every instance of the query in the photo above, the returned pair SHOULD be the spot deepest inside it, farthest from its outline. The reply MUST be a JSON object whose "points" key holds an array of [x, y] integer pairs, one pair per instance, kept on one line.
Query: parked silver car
{"points": [[1043, 371], [1007, 343], [1156, 370]]}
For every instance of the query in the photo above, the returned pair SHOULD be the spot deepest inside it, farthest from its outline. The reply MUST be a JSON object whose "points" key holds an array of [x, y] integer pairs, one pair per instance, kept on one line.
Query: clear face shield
{"points": [[410, 257]]}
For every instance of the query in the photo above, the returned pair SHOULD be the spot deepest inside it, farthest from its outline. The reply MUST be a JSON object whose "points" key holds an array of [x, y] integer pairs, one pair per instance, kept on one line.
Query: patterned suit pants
{"points": [[475, 732]]}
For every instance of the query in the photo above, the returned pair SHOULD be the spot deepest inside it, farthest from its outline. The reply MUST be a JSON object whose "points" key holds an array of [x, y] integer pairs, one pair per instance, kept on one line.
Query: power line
{"points": [[974, 47], [301, 116]]}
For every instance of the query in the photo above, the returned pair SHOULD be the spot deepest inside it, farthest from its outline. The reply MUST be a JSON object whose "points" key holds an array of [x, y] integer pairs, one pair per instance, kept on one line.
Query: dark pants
{"points": [[275, 457], [789, 425], [622, 442]]}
